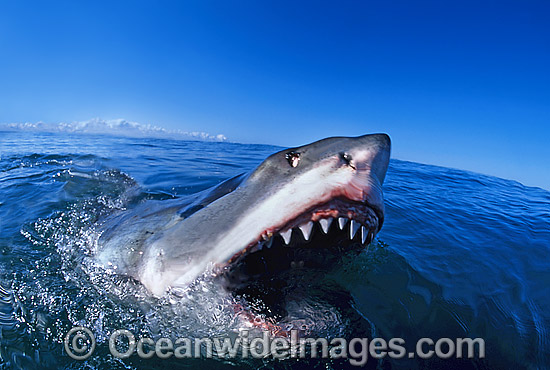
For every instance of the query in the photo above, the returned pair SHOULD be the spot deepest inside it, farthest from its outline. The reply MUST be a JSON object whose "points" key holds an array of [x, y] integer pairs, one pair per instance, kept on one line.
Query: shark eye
{"points": [[293, 158], [348, 160]]}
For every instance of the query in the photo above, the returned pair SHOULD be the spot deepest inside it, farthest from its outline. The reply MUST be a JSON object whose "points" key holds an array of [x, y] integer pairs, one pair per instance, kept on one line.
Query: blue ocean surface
{"points": [[460, 255]]}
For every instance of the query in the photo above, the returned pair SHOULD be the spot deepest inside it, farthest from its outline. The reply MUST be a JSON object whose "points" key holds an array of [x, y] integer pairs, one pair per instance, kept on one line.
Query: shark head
{"points": [[325, 196], [295, 205]]}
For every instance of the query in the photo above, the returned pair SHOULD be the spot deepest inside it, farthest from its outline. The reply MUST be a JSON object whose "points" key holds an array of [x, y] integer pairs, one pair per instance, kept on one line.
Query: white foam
{"points": [[119, 127]]}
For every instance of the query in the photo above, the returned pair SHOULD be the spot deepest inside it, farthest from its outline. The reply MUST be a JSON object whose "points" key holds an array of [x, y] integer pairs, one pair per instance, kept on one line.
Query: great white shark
{"points": [[285, 214]]}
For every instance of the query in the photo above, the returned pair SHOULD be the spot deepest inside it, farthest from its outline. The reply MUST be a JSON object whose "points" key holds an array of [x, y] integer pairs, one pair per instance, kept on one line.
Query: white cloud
{"points": [[119, 127]]}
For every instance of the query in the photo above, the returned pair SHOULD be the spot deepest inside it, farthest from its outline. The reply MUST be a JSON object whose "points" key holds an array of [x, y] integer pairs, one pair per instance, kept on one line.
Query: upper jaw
{"points": [[360, 220]]}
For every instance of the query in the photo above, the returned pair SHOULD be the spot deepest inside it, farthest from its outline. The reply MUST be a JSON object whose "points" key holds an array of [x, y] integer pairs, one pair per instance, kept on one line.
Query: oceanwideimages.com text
{"points": [[80, 344]]}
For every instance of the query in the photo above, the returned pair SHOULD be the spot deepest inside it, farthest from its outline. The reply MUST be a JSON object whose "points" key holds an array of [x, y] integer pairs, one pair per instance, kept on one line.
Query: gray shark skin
{"points": [[332, 184]]}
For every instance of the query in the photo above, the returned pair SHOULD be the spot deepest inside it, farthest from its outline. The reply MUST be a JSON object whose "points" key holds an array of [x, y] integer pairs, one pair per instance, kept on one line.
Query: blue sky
{"points": [[461, 84]]}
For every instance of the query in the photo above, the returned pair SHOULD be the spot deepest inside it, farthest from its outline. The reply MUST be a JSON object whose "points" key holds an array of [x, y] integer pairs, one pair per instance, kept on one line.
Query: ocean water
{"points": [[460, 255]]}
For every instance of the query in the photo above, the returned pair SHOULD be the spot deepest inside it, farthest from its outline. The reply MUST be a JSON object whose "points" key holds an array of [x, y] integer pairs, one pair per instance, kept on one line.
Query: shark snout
{"points": [[372, 152]]}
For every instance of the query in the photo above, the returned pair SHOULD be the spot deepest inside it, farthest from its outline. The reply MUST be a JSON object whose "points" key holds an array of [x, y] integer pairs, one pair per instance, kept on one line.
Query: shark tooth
{"points": [[370, 237], [342, 221], [325, 224], [364, 234], [286, 235], [354, 226], [306, 230], [268, 243]]}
